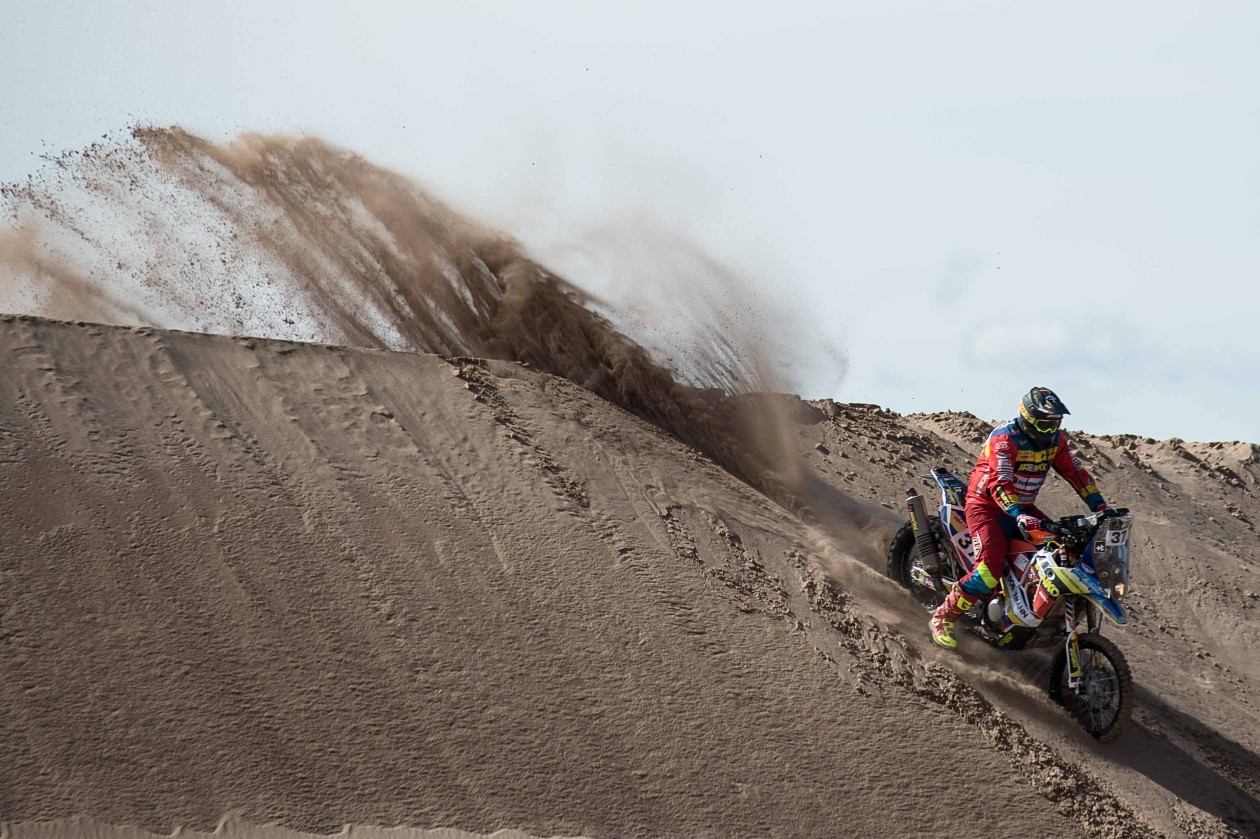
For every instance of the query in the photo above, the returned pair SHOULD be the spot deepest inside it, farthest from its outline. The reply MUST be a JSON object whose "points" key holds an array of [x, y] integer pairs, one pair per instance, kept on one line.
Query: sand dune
{"points": [[478, 562], [321, 586]]}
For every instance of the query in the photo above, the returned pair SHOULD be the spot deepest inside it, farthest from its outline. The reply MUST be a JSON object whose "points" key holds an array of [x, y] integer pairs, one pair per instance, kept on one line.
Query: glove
{"points": [[1027, 523]]}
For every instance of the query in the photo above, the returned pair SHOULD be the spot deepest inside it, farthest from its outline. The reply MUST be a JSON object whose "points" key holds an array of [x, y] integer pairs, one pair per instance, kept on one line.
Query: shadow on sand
{"points": [[1222, 779]]}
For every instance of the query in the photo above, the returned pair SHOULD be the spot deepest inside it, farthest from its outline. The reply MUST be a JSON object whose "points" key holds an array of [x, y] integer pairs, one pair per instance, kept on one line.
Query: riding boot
{"points": [[947, 614]]}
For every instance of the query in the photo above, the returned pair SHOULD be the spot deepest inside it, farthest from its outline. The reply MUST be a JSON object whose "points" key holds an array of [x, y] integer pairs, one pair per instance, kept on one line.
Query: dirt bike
{"points": [[1060, 583]]}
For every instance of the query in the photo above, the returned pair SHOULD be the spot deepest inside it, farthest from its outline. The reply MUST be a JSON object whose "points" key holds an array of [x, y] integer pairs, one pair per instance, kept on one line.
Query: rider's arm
{"points": [[1069, 466]]}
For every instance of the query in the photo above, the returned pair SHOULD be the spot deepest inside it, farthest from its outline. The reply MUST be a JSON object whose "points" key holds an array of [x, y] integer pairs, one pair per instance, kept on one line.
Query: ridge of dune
{"points": [[318, 585], [293, 238]]}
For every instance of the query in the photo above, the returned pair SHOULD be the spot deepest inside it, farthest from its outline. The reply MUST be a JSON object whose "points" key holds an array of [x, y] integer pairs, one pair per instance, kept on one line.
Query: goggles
{"points": [[1048, 425]]}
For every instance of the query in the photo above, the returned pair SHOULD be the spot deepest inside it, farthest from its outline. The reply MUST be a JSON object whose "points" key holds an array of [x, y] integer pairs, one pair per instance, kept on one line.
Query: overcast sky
{"points": [[966, 198]]}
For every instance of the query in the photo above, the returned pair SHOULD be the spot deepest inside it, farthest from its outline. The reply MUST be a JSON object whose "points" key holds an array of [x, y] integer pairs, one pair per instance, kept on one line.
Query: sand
{"points": [[496, 569], [320, 586]]}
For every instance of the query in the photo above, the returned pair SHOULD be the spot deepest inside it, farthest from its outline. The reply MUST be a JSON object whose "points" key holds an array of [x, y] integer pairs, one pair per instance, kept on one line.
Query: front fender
{"points": [[1112, 609]]}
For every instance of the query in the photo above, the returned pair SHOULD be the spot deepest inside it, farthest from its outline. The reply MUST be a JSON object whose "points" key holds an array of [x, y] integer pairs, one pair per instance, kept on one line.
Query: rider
{"points": [[1012, 466]]}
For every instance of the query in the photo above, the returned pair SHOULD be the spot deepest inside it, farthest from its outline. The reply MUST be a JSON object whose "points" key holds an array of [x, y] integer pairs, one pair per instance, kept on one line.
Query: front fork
{"points": [[1073, 644]]}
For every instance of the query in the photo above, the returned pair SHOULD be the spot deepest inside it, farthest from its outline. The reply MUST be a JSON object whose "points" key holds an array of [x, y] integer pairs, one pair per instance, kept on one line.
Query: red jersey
{"points": [[1011, 470]]}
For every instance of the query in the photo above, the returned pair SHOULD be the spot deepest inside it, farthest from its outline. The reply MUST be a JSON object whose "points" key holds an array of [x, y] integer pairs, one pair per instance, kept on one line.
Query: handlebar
{"points": [[1069, 526]]}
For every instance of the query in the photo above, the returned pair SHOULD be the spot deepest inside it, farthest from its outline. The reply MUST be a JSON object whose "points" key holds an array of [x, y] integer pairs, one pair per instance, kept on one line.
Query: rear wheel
{"points": [[1104, 701], [905, 566]]}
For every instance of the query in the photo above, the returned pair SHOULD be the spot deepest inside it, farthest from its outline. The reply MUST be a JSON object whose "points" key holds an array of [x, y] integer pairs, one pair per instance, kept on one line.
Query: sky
{"points": [[946, 204]]}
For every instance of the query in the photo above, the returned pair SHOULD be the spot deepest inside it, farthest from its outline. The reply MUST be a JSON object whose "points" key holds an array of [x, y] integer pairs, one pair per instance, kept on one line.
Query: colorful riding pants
{"points": [[991, 532]]}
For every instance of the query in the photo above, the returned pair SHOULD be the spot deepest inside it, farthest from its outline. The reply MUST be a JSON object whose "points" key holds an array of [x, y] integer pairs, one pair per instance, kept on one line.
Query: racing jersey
{"points": [[1011, 470]]}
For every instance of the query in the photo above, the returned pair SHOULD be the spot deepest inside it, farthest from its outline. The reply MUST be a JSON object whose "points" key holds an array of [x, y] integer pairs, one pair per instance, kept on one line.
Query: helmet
{"points": [[1040, 415]]}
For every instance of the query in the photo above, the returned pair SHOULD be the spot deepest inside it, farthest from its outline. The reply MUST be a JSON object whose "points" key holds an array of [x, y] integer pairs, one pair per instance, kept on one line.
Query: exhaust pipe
{"points": [[924, 540]]}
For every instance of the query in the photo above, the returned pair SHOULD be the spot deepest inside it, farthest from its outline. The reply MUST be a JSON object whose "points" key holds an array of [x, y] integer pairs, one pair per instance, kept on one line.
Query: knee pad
{"points": [[979, 583]]}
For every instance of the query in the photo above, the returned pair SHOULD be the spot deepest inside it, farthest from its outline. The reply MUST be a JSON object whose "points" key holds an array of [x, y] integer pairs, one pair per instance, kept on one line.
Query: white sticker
{"points": [[963, 541]]}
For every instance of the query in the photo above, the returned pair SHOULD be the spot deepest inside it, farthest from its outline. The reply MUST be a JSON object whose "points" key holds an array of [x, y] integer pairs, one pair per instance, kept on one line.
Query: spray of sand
{"points": [[289, 237]]}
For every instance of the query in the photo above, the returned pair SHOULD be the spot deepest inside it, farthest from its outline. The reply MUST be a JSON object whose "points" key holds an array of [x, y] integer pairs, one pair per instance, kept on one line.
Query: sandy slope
{"points": [[1196, 734], [320, 586], [234, 828]]}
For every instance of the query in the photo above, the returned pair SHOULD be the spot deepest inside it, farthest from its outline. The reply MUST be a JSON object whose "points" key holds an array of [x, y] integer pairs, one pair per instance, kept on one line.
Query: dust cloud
{"points": [[292, 238]]}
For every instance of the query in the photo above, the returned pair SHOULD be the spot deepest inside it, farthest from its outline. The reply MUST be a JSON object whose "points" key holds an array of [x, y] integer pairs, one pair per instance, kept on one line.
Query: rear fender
{"points": [[953, 491]]}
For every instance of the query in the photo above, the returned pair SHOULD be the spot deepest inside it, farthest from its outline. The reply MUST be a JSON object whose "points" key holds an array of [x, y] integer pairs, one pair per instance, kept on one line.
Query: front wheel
{"points": [[1104, 700]]}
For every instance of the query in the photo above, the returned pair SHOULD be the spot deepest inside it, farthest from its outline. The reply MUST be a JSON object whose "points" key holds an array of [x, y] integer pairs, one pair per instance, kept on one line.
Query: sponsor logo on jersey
{"points": [[1034, 456]]}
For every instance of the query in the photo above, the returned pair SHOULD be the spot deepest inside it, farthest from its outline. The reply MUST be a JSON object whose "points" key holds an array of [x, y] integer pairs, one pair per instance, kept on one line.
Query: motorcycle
{"points": [[1060, 584]]}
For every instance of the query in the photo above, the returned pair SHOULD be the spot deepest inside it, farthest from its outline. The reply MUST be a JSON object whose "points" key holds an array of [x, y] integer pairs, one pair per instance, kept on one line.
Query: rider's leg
{"points": [[947, 614], [990, 537]]}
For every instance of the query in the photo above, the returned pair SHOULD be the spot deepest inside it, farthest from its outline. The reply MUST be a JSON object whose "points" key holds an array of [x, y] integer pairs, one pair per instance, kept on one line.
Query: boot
{"points": [[944, 618]]}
